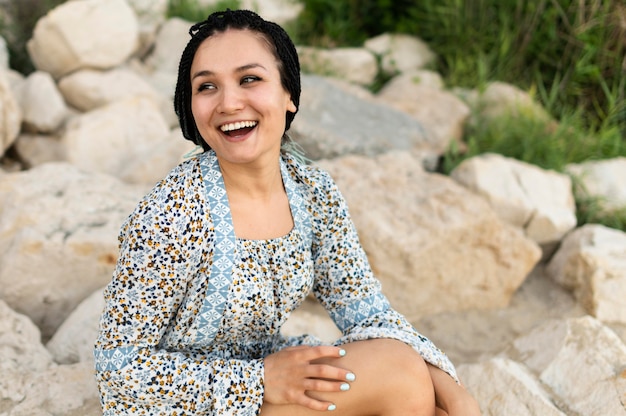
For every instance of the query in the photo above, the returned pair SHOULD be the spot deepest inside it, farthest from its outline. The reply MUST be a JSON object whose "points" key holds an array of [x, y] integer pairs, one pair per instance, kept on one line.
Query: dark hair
{"points": [[278, 41]]}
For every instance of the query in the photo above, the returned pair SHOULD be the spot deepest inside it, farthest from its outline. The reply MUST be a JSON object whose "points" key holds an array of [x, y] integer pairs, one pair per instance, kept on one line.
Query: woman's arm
{"points": [[133, 368], [451, 396], [346, 286]]}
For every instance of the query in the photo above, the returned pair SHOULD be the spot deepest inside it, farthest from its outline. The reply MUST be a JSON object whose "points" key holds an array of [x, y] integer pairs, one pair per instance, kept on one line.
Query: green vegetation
{"points": [[17, 21], [191, 11], [569, 54]]}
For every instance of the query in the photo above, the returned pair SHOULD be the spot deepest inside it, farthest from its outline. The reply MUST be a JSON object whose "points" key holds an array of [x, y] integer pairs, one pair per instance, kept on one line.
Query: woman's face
{"points": [[237, 99]]}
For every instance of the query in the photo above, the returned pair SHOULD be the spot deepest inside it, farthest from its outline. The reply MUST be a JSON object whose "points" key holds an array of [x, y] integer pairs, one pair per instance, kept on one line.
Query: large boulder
{"points": [[423, 232], [604, 180], [539, 201], [89, 89], [591, 262], [524, 395], [356, 65], [43, 107], [58, 238], [97, 34], [580, 361], [335, 122], [21, 355], [116, 138], [400, 53], [10, 114], [420, 94]]}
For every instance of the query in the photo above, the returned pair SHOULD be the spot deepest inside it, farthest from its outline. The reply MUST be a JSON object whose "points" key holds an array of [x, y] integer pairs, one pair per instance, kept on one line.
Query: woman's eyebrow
{"points": [[243, 68]]}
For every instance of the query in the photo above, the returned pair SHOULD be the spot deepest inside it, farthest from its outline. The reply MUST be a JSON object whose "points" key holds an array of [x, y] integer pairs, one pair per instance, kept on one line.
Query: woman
{"points": [[216, 257]]}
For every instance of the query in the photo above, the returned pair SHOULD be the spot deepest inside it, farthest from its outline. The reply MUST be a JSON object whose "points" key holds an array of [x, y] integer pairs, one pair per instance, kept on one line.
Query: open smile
{"points": [[239, 128]]}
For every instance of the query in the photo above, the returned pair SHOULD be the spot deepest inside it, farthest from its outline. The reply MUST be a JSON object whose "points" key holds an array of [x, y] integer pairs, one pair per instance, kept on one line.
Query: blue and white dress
{"points": [[192, 310]]}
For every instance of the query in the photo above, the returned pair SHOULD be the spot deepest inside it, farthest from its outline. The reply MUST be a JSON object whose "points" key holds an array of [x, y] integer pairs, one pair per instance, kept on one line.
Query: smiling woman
{"points": [[215, 258]]}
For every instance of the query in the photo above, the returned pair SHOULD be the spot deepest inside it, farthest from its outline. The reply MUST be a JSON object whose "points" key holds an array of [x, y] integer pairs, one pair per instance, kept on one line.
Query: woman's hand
{"points": [[450, 396], [291, 372]]}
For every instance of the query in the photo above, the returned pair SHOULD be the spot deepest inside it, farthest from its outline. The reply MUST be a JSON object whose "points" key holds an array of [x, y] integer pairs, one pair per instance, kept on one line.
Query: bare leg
{"points": [[391, 379]]}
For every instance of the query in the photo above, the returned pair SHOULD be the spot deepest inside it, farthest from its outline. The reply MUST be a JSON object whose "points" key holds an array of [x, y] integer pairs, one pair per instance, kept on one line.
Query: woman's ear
{"points": [[292, 107]]}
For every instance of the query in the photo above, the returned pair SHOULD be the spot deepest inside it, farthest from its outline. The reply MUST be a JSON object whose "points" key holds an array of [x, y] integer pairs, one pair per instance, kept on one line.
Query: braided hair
{"points": [[279, 44]]}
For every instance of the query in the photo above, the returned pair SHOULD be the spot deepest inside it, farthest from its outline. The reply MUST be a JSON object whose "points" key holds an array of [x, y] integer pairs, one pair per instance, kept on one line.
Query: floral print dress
{"points": [[192, 310]]}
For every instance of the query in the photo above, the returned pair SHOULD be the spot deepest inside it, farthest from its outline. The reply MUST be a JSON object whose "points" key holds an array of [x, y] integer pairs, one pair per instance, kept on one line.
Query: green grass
{"points": [[191, 11]]}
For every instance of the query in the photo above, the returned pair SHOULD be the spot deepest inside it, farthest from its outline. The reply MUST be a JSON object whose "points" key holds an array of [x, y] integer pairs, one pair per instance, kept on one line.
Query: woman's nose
{"points": [[230, 100]]}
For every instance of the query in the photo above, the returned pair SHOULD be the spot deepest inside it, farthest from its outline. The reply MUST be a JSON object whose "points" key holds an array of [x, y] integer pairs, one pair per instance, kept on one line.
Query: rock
{"points": [[523, 396], [603, 179], [400, 53], [43, 107], [68, 390], [21, 354], [355, 65], [311, 318], [89, 89], [150, 15], [581, 361], [116, 139], [58, 233], [419, 94], [278, 11], [169, 45], [4, 55], [84, 34], [591, 262], [502, 100], [539, 201], [10, 115], [332, 122], [423, 231], [37, 149], [74, 340]]}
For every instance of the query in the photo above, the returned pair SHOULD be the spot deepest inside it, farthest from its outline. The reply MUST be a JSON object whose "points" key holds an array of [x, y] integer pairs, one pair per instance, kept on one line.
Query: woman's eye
{"points": [[248, 79], [206, 86]]}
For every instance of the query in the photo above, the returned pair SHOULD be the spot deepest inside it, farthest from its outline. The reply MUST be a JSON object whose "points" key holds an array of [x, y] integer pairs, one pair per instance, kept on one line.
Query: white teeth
{"points": [[238, 125]]}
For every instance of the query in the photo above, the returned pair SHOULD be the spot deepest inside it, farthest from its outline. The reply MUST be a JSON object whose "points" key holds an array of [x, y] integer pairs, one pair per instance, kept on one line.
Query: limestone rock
{"points": [[84, 34], [4, 55], [150, 15], [505, 100], [523, 396], [170, 42], [68, 390], [355, 65], [43, 106], [115, 139], [591, 261], [400, 52], [58, 233], [21, 354], [422, 232], [37, 149], [89, 89], [419, 94], [10, 114], [539, 201], [581, 361], [332, 122], [603, 179], [74, 340]]}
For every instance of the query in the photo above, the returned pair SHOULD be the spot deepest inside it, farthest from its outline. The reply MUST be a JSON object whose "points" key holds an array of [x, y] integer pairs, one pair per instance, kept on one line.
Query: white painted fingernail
{"points": [[350, 377], [345, 387], [342, 352], [332, 407]]}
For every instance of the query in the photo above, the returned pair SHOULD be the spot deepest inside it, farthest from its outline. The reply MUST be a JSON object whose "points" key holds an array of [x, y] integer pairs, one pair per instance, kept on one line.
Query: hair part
{"points": [[278, 42]]}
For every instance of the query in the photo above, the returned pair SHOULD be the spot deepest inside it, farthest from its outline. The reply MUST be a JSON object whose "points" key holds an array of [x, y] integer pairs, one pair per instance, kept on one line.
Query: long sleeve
{"points": [[345, 284], [145, 303]]}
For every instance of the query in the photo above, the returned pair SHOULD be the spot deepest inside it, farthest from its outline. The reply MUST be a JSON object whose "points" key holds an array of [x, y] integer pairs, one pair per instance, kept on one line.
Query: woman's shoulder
{"points": [[309, 175]]}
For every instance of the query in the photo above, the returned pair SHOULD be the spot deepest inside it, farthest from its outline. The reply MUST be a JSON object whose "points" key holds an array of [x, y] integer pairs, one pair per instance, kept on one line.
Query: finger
{"points": [[329, 372], [325, 351], [319, 405], [314, 384]]}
